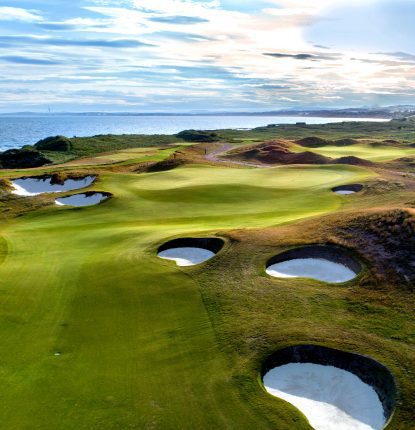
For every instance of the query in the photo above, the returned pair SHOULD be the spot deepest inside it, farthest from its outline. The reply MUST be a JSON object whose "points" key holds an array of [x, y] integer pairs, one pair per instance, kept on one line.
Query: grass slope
{"points": [[365, 151], [138, 349]]}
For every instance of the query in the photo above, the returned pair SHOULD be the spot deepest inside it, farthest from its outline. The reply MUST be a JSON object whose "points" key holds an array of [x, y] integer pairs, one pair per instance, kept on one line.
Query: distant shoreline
{"points": [[306, 114]]}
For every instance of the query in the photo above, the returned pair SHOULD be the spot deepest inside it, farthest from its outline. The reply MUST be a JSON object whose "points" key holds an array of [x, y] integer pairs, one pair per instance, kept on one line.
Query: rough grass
{"points": [[255, 314]]}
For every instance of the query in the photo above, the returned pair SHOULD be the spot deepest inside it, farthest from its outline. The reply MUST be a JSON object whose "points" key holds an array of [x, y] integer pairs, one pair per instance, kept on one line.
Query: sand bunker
{"points": [[323, 263], [190, 251], [39, 185], [347, 189], [187, 256], [331, 398], [335, 390], [79, 200], [316, 268]]}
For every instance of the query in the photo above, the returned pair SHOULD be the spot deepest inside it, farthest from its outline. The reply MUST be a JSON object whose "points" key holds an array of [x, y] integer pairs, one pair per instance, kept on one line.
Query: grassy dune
{"points": [[137, 346], [365, 151]]}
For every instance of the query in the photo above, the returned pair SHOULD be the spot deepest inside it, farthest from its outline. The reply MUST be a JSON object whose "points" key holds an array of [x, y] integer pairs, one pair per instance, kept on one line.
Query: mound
{"points": [[391, 142], [54, 143], [278, 153], [198, 136], [5, 186], [345, 142], [352, 160], [162, 166], [22, 158], [313, 142], [388, 240]]}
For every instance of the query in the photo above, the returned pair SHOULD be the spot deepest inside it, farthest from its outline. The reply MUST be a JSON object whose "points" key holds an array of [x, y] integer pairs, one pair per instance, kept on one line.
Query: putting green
{"points": [[137, 349], [367, 152]]}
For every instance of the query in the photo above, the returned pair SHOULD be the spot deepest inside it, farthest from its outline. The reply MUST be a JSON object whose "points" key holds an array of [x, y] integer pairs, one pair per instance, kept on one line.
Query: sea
{"points": [[17, 131]]}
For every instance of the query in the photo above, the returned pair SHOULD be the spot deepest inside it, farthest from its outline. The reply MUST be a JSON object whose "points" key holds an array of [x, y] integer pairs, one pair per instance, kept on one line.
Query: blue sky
{"points": [[193, 55]]}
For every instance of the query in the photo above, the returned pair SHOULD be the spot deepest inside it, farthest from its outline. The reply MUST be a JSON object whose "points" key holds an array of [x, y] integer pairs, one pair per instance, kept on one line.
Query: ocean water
{"points": [[16, 131]]}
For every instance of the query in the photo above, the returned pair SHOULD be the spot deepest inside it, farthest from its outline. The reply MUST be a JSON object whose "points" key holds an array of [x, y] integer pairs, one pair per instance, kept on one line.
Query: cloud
{"points": [[180, 36], [26, 60], [179, 20], [58, 26], [18, 14], [404, 56], [314, 57], [93, 43], [190, 54], [177, 7]]}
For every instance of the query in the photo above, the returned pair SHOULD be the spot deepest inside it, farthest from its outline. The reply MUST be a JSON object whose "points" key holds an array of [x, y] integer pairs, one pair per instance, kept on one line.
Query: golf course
{"points": [[99, 333]]}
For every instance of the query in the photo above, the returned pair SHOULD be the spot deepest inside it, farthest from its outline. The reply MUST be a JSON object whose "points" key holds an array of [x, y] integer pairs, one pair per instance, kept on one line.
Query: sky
{"points": [[205, 55]]}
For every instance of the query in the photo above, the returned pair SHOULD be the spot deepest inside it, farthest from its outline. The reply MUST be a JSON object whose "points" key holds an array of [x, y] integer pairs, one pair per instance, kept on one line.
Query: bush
{"points": [[313, 142], [198, 136], [54, 143], [22, 158]]}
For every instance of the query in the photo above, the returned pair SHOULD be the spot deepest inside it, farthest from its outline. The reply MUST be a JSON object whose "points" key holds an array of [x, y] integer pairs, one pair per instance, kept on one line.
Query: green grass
{"points": [[87, 146], [140, 344], [127, 157], [366, 151]]}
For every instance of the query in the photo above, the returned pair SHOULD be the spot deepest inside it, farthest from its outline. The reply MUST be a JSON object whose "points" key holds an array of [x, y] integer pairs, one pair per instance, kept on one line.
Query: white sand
{"points": [[345, 192], [187, 256], [81, 200], [330, 398], [36, 186], [316, 268]]}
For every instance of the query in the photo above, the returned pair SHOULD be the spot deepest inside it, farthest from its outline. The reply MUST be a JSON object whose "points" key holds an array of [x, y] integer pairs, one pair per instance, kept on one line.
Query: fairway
{"points": [[131, 155], [99, 333]]}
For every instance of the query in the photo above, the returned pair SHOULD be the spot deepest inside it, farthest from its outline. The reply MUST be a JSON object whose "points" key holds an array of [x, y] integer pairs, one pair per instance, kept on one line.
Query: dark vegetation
{"points": [[164, 165], [22, 158], [388, 239], [312, 142], [198, 136], [54, 143]]}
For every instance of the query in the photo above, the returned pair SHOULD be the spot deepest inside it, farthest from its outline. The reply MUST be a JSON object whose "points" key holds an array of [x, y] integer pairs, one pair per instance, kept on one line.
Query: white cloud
{"points": [[18, 14], [231, 41]]}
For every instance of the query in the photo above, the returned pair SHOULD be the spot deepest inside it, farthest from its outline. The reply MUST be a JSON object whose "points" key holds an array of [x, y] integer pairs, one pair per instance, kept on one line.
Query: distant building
{"points": [[300, 123]]}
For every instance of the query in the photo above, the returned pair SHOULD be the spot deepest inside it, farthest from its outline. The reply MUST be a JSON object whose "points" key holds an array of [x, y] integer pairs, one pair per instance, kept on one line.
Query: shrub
{"points": [[22, 158], [54, 143], [198, 136]]}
